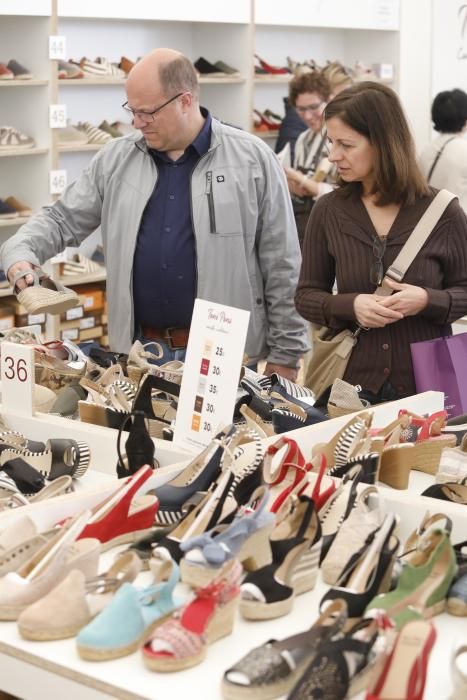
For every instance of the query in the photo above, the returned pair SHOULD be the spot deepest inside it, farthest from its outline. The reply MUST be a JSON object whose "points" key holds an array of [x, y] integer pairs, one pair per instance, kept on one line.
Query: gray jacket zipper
{"points": [[210, 196]]}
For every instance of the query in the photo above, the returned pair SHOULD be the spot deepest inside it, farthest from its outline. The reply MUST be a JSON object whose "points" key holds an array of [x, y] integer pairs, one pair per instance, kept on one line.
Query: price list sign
{"points": [[211, 372]]}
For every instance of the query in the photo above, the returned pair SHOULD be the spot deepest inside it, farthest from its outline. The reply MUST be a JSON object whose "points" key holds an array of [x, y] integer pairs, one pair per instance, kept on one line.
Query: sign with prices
{"points": [[211, 373], [17, 373], [57, 48], [57, 116]]}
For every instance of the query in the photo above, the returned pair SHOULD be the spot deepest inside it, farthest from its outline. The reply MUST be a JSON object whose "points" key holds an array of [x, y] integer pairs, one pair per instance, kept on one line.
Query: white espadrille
{"points": [[45, 295]]}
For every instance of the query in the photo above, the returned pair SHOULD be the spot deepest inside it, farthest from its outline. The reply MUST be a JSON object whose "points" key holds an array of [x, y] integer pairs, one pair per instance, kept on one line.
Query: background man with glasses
{"points": [[309, 93], [187, 207]]}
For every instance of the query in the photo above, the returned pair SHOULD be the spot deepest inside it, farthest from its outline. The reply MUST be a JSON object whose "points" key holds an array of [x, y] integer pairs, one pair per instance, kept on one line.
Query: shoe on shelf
{"points": [[45, 295], [69, 71], [70, 135], [207, 69], [225, 68], [6, 73], [123, 128], [272, 70], [182, 641], [404, 673], [112, 131], [271, 670], [126, 64], [19, 71], [7, 211], [13, 138], [94, 134], [72, 604], [22, 209], [133, 613]]}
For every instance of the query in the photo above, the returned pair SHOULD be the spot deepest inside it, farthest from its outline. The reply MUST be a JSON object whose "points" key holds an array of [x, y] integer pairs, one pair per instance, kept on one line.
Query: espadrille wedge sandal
{"points": [[45, 295]]}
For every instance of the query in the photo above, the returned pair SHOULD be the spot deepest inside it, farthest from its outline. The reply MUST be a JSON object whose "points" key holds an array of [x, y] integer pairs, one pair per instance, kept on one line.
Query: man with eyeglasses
{"points": [[309, 93], [188, 207]]}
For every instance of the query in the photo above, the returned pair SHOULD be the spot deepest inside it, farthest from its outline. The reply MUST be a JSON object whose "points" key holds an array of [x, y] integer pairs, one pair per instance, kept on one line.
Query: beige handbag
{"points": [[331, 351]]}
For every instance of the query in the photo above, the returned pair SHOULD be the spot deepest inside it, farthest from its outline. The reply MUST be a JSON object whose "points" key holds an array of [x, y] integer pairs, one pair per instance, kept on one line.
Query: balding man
{"points": [[188, 207]]}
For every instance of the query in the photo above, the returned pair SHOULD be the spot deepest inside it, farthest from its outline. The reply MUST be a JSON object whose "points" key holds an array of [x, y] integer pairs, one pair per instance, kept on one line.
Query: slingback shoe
{"points": [[347, 442], [295, 543], [198, 476], [48, 566], [45, 295], [240, 476], [182, 641], [368, 571], [123, 516], [125, 624], [284, 471], [337, 508], [246, 539], [139, 446], [270, 670], [404, 674], [365, 518], [424, 581], [72, 604]]}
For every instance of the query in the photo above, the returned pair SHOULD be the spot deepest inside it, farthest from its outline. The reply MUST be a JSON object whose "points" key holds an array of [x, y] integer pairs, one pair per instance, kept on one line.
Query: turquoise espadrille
{"points": [[132, 615]]}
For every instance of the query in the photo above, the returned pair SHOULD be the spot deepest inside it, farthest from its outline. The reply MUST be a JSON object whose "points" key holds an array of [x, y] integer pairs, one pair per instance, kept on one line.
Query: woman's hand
{"points": [[301, 185], [371, 313], [408, 299]]}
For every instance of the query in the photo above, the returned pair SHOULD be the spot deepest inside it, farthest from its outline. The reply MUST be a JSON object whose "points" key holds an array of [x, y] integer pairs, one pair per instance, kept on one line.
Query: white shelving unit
{"points": [[369, 30]]}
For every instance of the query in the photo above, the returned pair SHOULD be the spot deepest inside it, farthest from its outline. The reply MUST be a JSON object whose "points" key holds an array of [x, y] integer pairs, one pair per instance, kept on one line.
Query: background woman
{"points": [[355, 233]]}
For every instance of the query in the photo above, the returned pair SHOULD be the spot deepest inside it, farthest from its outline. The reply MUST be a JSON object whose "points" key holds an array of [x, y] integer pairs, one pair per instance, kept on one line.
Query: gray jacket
{"points": [[246, 243]]}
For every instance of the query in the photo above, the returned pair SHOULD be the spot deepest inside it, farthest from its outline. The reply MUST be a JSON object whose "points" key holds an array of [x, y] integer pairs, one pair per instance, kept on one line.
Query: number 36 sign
{"points": [[17, 373]]}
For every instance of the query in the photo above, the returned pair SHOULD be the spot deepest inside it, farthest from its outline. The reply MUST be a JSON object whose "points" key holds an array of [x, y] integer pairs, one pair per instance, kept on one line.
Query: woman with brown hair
{"points": [[356, 232]]}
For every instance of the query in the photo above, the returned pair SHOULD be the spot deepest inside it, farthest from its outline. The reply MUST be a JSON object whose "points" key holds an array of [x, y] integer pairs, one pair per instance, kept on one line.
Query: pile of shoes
{"points": [[99, 68]]}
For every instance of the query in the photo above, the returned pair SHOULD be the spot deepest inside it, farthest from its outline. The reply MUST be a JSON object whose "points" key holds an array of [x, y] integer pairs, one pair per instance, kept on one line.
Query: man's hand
{"points": [[408, 299], [24, 281], [290, 373], [371, 312]]}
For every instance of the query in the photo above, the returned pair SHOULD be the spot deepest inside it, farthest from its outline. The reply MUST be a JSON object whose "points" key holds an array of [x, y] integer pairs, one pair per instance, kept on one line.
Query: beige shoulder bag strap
{"points": [[417, 238]]}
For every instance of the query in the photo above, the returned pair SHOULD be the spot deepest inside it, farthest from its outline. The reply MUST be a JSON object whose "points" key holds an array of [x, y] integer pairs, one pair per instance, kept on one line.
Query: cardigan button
{"points": [[386, 371], [385, 346]]}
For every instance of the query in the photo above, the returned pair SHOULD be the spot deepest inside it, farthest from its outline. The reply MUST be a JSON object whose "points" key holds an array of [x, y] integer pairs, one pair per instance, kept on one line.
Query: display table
{"points": [[54, 670]]}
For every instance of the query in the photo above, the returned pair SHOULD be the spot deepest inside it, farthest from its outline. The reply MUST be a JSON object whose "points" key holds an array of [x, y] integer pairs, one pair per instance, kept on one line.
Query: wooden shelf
{"points": [[13, 152], [273, 79], [73, 280], [17, 221], [23, 83], [6, 292], [81, 147], [228, 80], [80, 82]]}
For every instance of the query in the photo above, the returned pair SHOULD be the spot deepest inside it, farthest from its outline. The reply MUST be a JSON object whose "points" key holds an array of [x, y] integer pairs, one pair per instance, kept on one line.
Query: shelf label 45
{"points": [[57, 116], [17, 373], [211, 373]]}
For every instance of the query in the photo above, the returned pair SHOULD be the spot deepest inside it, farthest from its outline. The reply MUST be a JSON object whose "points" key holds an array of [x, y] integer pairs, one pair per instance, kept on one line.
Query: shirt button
{"points": [[259, 301], [401, 389], [386, 370], [164, 266], [171, 196], [167, 229], [385, 346]]}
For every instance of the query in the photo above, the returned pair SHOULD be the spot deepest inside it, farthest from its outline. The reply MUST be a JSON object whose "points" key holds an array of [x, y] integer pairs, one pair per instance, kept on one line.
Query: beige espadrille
{"points": [[44, 295]]}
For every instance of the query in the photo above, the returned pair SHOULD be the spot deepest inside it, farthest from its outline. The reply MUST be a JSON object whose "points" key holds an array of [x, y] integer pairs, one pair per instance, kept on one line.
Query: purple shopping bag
{"points": [[441, 365]]}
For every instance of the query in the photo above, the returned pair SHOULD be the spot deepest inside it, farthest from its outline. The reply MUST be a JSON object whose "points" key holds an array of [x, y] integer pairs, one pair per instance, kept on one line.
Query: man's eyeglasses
{"points": [[377, 267], [149, 116], [309, 108]]}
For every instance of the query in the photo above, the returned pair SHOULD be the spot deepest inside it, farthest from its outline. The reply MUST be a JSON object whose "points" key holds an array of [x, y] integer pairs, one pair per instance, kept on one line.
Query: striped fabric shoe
{"points": [[94, 134], [13, 138]]}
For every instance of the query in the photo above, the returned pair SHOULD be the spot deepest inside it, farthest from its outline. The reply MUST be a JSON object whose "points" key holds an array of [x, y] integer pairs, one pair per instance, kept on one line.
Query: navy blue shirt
{"points": [[164, 265]]}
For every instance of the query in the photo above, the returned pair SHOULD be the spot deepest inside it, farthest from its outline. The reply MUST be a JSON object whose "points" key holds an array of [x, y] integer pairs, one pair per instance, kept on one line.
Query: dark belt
{"points": [[176, 338]]}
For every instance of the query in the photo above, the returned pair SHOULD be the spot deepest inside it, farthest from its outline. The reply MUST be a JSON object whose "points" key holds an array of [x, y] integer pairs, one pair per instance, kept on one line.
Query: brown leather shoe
{"points": [[22, 209], [126, 64]]}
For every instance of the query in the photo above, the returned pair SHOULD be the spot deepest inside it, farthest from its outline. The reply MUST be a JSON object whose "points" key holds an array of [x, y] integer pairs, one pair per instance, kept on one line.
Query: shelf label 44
{"points": [[17, 373], [57, 48], [211, 372]]}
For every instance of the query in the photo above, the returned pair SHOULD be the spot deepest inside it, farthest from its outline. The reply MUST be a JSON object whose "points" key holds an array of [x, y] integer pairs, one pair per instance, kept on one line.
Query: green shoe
{"points": [[105, 126], [424, 581]]}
